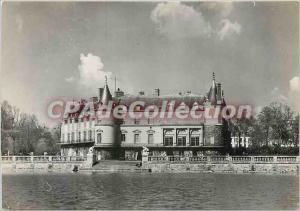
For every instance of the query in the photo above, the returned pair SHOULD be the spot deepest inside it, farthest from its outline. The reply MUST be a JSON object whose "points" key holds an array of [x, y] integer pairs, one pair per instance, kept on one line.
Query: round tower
{"points": [[106, 127], [214, 125]]}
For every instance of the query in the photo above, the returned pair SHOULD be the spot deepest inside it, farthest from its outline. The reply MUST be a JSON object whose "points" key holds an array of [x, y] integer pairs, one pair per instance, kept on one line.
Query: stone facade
{"points": [[224, 168], [124, 138]]}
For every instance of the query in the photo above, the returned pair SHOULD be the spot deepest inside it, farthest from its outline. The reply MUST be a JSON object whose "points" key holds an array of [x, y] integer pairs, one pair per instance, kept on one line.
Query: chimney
{"points": [[94, 99], [100, 92], [119, 93], [219, 91], [157, 92]]}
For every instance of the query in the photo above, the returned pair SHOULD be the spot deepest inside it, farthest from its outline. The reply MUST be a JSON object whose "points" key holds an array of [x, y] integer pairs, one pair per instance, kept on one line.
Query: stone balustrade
{"points": [[287, 159], [219, 159], [198, 159], [42, 159], [225, 159], [157, 159], [241, 159]]}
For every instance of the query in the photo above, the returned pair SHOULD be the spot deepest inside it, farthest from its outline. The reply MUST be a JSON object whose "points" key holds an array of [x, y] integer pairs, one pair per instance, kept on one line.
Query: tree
{"points": [[295, 131], [275, 121], [264, 121], [22, 133], [9, 122]]}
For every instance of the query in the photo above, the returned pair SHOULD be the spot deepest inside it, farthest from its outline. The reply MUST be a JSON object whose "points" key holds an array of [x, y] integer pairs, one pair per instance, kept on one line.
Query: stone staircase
{"points": [[115, 166]]}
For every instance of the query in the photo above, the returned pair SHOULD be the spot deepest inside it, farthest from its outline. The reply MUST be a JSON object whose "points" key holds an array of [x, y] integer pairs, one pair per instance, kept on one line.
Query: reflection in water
{"points": [[150, 191]]}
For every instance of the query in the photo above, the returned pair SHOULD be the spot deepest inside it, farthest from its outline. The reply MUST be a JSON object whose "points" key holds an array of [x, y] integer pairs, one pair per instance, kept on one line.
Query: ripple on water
{"points": [[150, 191]]}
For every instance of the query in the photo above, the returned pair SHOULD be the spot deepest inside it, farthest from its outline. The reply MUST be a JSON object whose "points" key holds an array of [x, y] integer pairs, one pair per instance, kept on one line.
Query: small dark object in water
{"points": [[75, 169]]}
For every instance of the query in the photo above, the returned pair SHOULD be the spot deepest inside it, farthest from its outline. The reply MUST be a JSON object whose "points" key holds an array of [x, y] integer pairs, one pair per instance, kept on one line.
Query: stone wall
{"points": [[39, 167], [223, 168]]}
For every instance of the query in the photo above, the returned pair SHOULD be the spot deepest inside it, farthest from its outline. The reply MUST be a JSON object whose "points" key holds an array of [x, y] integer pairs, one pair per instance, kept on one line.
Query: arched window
{"points": [[99, 138], [195, 138], [168, 137], [181, 137]]}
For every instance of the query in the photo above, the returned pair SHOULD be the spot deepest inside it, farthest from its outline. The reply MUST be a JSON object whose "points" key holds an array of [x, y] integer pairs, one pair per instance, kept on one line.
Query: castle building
{"points": [[164, 134]]}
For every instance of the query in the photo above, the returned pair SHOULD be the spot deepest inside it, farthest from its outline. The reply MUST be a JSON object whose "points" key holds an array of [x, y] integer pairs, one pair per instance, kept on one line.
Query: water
{"points": [[150, 191]]}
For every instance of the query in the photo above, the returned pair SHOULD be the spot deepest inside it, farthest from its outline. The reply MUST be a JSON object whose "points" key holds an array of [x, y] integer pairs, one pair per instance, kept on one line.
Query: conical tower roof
{"points": [[106, 95], [212, 95]]}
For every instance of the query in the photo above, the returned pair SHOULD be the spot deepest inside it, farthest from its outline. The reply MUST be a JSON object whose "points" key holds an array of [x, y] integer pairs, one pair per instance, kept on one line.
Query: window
{"points": [[212, 140], [181, 141], [136, 138], [99, 138], [90, 135], [123, 137], [62, 137], [136, 121], [79, 136], [150, 138], [84, 135], [195, 141], [168, 141], [72, 137], [68, 137]]}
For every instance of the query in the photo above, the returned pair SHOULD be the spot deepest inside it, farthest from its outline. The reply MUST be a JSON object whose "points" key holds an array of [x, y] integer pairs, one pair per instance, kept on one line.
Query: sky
{"points": [[65, 49]]}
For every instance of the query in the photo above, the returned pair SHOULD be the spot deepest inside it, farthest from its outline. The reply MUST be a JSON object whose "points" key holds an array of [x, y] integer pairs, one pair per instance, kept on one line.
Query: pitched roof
{"points": [[106, 95], [212, 94], [188, 100]]}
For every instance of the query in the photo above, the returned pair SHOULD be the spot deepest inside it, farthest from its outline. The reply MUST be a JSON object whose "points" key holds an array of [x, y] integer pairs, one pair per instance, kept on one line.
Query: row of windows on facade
{"points": [[168, 140], [71, 136], [182, 141], [76, 120], [71, 121], [71, 124]]}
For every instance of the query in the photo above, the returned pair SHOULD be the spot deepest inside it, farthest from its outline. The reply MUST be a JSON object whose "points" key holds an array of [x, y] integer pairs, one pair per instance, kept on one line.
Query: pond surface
{"points": [[150, 191]]}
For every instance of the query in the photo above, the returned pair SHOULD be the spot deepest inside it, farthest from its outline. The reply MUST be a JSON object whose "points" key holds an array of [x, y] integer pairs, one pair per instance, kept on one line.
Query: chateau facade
{"points": [[165, 134]]}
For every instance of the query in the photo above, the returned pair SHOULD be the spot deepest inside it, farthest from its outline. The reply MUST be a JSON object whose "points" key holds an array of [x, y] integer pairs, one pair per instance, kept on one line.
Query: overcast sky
{"points": [[50, 50]]}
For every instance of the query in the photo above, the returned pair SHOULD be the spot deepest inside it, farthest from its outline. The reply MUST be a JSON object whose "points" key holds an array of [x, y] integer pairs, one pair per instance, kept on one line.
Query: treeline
{"points": [[275, 130], [22, 133]]}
